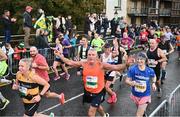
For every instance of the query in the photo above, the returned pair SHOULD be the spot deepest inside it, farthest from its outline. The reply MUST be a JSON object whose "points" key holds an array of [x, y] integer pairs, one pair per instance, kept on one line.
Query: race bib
{"points": [[23, 91], [141, 87], [116, 60], [152, 63], [164, 51], [91, 82]]}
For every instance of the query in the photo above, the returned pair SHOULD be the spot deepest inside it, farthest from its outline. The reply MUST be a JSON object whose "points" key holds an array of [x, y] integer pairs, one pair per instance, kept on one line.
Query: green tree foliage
{"points": [[75, 8]]}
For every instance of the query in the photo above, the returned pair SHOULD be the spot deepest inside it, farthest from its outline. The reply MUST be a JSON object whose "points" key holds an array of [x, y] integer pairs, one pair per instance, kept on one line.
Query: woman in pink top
{"points": [[127, 42]]}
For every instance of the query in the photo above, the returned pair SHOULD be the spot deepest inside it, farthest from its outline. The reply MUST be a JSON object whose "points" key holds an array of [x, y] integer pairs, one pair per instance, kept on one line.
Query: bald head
{"points": [[33, 51], [153, 43]]}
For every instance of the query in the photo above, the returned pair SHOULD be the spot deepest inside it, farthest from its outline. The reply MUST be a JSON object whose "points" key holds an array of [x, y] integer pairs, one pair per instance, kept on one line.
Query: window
{"points": [[118, 5]]}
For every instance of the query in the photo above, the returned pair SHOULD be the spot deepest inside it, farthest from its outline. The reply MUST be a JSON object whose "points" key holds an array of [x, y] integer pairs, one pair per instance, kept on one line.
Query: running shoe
{"points": [[114, 98], [67, 76], [106, 115], [4, 104], [62, 99], [62, 74], [56, 78], [51, 114], [109, 100]]}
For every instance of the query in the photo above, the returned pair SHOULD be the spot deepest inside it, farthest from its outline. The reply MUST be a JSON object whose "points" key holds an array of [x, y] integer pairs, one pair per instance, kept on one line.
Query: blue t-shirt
{"points": [[143, 78], [73, 42]]}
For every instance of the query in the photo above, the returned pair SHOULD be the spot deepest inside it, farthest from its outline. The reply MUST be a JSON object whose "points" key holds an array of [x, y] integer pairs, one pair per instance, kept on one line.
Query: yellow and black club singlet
{"points": [[27, 87]]}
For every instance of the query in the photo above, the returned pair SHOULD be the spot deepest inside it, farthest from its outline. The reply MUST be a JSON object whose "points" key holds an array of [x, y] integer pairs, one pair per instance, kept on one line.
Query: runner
{"points": [[93, 78], [57, 60], [41, 68], [97, 43], [155, 58], [27, 82], [139, 76], [121, 55], [127, 43], [178, 44], [167, 48], [3, 101], [107, 57], [82, 52]]}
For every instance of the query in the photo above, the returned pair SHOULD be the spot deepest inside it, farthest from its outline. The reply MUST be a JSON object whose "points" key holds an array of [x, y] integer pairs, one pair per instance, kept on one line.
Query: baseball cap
{"points": [[21, 45], [28, 7]]}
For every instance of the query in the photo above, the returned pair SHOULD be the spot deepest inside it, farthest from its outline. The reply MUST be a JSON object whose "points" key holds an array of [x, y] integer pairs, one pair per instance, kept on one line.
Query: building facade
{"points": [[164, 12], [115, 6]]}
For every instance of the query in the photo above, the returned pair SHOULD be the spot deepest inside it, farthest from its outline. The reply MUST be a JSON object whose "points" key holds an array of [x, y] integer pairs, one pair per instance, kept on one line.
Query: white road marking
{"points": [[73, 98], [52, 107]]}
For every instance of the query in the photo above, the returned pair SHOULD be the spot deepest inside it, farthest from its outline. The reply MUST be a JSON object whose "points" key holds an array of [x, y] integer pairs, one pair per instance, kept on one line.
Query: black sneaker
{"points": [[4, 104]]}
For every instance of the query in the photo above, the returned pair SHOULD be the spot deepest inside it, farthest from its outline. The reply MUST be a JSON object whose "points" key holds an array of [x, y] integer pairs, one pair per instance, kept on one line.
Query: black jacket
{"points": [[27, 20]]}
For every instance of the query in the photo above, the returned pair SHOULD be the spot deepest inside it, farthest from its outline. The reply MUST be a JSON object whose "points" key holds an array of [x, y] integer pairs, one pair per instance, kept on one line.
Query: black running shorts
{"points": [[94, 99], [30, 108]]}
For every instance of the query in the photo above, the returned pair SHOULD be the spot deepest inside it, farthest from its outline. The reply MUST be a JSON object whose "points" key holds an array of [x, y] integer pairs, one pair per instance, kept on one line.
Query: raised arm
{"points": [[119, 67], [67, 61]]}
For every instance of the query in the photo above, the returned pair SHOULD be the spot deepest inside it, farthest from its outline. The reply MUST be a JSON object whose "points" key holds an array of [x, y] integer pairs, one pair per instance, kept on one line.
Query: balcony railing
{"points": [[175, 13], [138, 12], [153, 11], [164, 12]]}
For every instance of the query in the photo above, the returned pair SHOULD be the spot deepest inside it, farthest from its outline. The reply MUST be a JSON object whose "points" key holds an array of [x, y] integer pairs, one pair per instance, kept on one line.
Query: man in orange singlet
{"points": [[93, 78]]}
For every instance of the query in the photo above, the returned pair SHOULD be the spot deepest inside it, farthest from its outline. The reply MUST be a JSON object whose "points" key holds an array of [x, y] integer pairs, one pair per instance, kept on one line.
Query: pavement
{"points": [[73, 90]]}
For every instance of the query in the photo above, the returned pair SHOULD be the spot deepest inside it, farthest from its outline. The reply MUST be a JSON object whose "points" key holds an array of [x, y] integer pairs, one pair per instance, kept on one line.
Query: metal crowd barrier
{"points": [[174, 102], [46, 52], [161, 110], [170, 106]]}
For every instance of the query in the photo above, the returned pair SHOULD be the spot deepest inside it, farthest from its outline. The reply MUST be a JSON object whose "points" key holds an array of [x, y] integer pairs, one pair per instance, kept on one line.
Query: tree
{"points": [[76, 8]]}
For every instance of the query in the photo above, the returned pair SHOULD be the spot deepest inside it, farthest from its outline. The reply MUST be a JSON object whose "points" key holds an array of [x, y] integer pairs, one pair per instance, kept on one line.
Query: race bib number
{"points": [[23, 91], [91, 82], [141, 87], [152, 63]]}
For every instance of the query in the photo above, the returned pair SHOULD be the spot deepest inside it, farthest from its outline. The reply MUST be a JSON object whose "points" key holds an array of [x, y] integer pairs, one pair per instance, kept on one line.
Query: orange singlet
{"points": [[93, 77], [178, 40]]}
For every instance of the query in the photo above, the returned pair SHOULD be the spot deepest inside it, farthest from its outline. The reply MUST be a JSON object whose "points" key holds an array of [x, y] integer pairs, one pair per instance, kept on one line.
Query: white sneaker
{"points": [[4, 104], [106, 115], [51, 114]]}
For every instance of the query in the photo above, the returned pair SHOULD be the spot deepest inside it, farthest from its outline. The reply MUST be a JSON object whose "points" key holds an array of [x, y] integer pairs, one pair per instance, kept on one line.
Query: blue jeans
{"points": [[7, 36]]}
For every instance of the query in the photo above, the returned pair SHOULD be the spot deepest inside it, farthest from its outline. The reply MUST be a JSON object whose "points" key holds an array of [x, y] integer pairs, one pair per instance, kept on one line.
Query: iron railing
{"points": [[170, 106]]}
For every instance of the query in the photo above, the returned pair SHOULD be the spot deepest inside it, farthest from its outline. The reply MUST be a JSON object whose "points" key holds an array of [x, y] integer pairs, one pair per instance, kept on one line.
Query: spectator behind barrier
{"points": [[7, 49], [18, 51]]}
